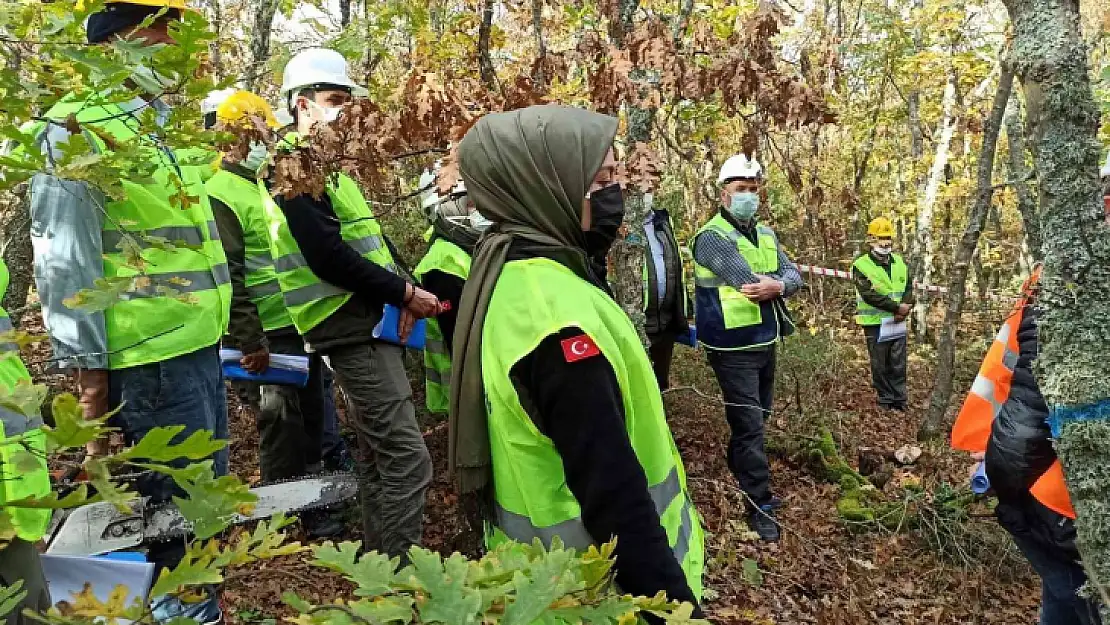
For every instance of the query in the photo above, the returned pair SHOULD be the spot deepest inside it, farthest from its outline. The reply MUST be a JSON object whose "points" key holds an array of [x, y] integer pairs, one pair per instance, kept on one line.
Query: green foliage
{"points": [[10, 596], [513, 584]]}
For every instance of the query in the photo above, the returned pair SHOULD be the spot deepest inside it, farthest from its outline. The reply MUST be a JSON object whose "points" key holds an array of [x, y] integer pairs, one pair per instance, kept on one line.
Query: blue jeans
{"points": [[1046, 539], [187, 390]]}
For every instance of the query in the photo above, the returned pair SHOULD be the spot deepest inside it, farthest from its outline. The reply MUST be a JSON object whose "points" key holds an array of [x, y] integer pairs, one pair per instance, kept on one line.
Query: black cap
{"points": [[118, 17]]}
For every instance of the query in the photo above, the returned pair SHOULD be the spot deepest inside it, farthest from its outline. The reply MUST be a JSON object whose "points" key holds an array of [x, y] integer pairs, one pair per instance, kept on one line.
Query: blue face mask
{"points": [[744, 205]]}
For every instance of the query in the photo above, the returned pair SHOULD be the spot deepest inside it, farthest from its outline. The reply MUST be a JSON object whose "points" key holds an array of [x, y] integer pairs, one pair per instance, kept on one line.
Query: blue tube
{"points": [[980, 484]]}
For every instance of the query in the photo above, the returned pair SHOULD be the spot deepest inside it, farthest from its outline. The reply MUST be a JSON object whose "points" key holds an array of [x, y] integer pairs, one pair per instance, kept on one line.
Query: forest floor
{"points": [[824, 570]]}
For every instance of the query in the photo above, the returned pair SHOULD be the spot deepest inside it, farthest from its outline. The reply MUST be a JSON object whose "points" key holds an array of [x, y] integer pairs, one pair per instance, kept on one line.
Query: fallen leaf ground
{"points": [[823, 571]]}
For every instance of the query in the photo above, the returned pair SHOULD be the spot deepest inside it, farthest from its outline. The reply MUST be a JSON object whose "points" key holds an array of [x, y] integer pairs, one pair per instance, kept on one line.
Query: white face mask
{"points": [[881, 250], [326, 114], [257, 157], [479, 222]]}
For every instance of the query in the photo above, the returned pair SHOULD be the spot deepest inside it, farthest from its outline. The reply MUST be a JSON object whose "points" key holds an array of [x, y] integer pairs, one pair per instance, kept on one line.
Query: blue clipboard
{"points": [[386, 330]]}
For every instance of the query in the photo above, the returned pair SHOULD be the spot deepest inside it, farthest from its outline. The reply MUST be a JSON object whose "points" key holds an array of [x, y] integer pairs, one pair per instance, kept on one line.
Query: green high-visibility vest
{"points": [[726, 318], [446, 257], [242, 197], [309, 299], [18, 480], [534, 299], [183, 302], [892, 286]]}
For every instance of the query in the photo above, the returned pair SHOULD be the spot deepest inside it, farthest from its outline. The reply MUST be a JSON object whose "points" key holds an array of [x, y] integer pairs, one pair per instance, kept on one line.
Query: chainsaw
{"points": [[99, 528]]}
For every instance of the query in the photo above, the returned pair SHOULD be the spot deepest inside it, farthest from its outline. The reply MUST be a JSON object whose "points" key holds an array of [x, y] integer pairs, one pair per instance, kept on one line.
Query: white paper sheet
{"points": [[67, 575], [891, 330]]}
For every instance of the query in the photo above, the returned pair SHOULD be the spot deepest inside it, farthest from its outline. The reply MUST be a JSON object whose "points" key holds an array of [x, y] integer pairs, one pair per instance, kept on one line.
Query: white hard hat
{"points": [[214, 99], [317, 66], [739, 166], [1105, 173]]}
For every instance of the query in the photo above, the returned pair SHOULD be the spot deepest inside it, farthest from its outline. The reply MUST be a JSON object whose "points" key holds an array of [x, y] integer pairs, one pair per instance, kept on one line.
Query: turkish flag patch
{"points": [[579, 348]]}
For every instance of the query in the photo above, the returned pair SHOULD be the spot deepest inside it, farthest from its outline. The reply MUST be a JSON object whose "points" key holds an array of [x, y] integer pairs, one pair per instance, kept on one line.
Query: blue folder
{"points": [[690, 337], [284, 369], [386, 330]]}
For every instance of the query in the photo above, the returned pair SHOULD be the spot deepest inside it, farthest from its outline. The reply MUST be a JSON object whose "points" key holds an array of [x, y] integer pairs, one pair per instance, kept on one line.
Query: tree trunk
{"points": [[1019, 173], [264, 12], [540, 74], [215, 22], [1074, 327], [924, 244], [628, 253], [344, 13], [485, 64], [934, 424]]}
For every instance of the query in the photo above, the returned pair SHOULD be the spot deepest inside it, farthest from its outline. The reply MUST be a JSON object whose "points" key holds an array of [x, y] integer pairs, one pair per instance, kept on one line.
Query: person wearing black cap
{"points": [[150, 352]]}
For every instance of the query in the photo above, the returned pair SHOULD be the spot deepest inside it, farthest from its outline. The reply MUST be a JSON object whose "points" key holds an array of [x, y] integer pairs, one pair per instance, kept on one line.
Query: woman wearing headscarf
{"points": [[557, 425]]}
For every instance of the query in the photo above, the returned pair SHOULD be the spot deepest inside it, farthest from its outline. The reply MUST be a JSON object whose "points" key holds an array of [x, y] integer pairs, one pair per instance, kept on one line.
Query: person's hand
{"points": [[765, 289], [421, 303], [976, 457], [93, 388], [904, 310], [404, 324], [257, 361]]}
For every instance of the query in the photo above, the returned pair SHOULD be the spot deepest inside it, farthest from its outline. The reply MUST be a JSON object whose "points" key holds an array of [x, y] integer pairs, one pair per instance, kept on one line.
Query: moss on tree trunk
{"points": [[1075, 325]]}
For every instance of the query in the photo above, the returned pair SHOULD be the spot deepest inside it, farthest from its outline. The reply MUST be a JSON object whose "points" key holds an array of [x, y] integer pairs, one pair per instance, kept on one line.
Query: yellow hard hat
{"points": [[181, 5], [240, 105], [880, 227]]}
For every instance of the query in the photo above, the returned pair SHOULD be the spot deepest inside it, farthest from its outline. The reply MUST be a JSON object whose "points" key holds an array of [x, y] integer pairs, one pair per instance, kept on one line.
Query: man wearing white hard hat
{"points": [[336, 274], [741, 277]]}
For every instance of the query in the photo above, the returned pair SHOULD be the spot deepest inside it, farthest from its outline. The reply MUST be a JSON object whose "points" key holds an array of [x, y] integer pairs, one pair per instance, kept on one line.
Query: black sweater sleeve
{"points": [[578, 406], [868, 293], [244, 327], [315, 227], [448, 288]]}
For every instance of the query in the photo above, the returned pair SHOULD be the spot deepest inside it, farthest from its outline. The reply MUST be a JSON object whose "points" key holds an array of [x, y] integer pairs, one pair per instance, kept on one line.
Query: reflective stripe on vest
{"points": [[309, 299], [536, 298], [22, 482], [450, 259], [152, 323], [892, 285], [241, 196], [989, 393], [726, 319]]}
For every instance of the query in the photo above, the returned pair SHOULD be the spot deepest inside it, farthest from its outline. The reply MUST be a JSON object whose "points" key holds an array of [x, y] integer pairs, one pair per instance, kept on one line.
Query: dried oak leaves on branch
{"points": [[431, 112]]}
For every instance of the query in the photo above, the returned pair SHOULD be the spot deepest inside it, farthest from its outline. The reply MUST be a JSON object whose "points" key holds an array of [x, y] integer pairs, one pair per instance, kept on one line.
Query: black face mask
{"points": [[606, 215]]}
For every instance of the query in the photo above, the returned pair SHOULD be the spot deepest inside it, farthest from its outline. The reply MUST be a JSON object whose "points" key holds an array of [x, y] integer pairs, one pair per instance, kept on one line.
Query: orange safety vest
{"points": [[991, 389]]}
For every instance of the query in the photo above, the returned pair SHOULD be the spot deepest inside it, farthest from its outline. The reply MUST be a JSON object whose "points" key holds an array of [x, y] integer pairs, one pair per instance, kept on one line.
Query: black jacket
{"points": [[316, 229], [1020, 450], [670, 314]]}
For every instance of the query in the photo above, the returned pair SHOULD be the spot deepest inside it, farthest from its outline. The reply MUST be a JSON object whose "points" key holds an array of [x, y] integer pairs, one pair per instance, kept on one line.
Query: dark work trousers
{"points": [[291, 419], [19, 561], [333, 445], [1046, 539], [392, 461], [661, 350], [747, 380], [888, 368]]}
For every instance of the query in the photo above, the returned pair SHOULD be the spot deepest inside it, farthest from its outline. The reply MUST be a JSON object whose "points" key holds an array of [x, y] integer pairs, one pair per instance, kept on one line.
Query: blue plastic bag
{"points": [[386, 330]]}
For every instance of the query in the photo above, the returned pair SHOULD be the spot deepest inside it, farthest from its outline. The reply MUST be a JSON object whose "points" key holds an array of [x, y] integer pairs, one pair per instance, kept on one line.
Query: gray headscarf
{"points": [[527, 171]]}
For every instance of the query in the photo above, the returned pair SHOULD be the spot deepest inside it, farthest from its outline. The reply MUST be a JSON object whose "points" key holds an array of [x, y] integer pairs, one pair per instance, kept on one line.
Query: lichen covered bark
{"points": [[1075, 325]]}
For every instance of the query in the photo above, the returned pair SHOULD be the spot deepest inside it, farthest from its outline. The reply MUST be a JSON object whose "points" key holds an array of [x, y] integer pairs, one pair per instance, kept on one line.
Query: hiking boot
{"points": [[762, 522]]}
